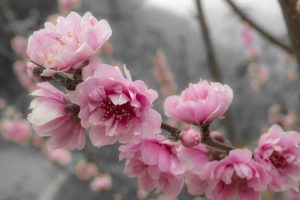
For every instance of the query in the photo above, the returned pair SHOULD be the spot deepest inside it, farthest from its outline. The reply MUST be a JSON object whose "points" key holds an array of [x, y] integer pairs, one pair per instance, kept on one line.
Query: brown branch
{"points": [[64, 80], [206, 139], [259, 28], [211, 56], [292, 20], [214, 68]]}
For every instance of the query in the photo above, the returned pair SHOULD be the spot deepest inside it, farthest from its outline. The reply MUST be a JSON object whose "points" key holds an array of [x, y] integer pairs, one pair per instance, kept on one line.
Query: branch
{"points": [[206, 139], [211, 56], [258, 28], [292, 20], [214, 68], [64, 80]]}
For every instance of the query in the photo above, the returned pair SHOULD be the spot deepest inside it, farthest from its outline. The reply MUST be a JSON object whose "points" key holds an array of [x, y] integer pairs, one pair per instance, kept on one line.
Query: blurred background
{"points": [[162, 43]]}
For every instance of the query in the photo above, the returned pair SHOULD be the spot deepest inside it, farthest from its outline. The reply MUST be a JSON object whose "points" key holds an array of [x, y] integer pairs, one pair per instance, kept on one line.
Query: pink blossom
{"points": [[194, 160], [53, 115], [155, 163], [298, 6], [247, 35], [18, 131], [200, 103], [61, 156], [19, 45], [163, 74], [237, 175], [67, 44], [279, 152], [190, 137], [116, 108], [84, 171], [101, 183], [68, 5]]}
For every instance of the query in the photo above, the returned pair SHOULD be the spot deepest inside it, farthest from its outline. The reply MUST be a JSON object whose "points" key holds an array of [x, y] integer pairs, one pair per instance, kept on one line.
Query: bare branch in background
{"points": [[214, 68], [259, 28], [292, 20]]}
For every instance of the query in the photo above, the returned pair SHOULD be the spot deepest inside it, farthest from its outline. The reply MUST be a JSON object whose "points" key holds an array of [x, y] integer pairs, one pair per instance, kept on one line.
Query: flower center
{"points": [[122, 113], [278, 160]]}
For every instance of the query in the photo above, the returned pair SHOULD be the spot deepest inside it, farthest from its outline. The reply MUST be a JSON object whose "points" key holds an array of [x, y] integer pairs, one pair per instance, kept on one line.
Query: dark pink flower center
{"points": [[278, 160], [122, 113]]}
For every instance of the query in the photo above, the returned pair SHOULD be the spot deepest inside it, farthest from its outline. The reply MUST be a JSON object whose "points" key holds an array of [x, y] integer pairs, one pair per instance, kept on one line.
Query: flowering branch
{"points": [[292, 20], [258, 28], [206, 139], [69, 83]]}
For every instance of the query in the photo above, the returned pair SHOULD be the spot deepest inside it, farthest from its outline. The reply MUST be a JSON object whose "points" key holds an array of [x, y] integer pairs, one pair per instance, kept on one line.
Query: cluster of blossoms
{"points": [[114, 108]]}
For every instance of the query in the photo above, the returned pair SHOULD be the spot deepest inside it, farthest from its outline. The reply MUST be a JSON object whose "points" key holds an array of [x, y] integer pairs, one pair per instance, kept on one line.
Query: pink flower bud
{"points": [[190, 137], [61, 156]]}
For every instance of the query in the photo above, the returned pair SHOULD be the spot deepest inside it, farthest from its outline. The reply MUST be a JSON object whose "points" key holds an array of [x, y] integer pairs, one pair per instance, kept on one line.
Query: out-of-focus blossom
{"points": [[142, 194], [53, 115], [291, 195], [247, 35], [84, 171], [190, 137], [163, 74], [101, 183], [69, 43], [279, 153], [107, 49], [237, 175], [18, 131], [259, 75], [18, 45], [53, 18], [155, 163], [20, 70], [274, 115], [291, 120], [200, 103], [298, 6], [116, 108], [61, 156], [68, 5]]}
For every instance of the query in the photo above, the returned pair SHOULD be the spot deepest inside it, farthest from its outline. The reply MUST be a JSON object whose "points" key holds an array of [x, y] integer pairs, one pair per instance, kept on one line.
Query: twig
{"points": [[292, 20], [65, 81], [259, 28], [214, 68], [206, 139]]}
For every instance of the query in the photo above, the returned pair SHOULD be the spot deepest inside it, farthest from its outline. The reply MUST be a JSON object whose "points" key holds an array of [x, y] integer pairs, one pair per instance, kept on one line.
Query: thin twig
{"points": [[214, 68], [206, 139], [64, 80], [292, 20], [259, 28]]}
